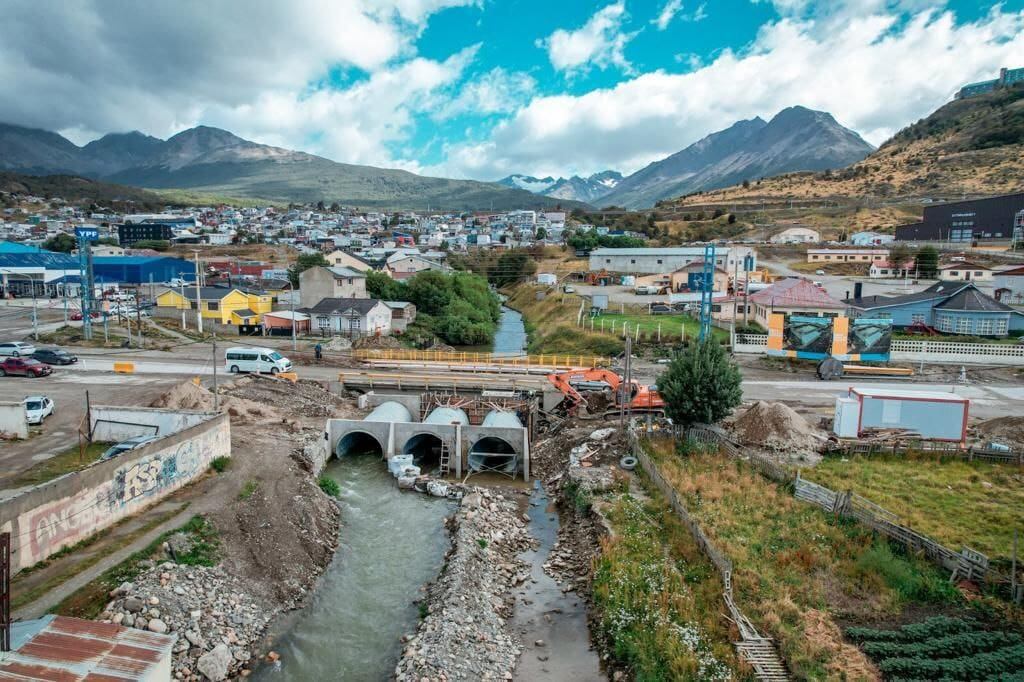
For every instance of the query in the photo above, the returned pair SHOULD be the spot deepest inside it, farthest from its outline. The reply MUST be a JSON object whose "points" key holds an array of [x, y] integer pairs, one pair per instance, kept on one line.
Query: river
{"points": [[510, 339], [391, 544]]}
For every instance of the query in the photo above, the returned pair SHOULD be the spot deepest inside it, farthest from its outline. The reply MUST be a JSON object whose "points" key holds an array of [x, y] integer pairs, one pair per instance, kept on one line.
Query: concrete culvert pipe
{"points": [[425, 449], [389, 412], [447, 415], [358, 443], [493, 453]]}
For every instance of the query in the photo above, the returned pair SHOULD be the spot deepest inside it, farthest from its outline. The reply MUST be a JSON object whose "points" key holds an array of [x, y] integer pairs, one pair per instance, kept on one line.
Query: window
{"points": [[192, 305], [323, 322], [945, 323], [917, 317], [999, 328], [954, 273], [983, 327], [963, 325], [632, 261], [814, 257], [608, 260], [659, 261], [213, 305], [977, 273]]}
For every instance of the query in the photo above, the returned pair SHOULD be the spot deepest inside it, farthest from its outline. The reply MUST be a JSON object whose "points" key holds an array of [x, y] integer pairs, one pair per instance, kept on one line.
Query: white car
{"points": [[17, 349], [37, 408]]}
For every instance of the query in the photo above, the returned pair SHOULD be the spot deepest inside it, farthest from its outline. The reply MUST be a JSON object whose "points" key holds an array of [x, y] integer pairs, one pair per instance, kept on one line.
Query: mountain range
{"points": [[575, 188], [218, 162], [795, 139]]}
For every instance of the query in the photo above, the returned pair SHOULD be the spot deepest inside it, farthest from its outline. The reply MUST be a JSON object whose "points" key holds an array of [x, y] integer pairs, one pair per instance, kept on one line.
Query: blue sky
{"points": [[484, 88]]}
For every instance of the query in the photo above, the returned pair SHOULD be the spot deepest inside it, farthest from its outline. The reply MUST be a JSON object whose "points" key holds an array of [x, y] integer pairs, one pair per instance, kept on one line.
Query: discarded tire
{"points": [[627, 463]]}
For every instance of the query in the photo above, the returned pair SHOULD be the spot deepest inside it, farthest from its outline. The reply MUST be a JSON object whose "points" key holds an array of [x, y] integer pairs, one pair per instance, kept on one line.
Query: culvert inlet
{"points": [[493, 453], [358, 443], [425, 449]]}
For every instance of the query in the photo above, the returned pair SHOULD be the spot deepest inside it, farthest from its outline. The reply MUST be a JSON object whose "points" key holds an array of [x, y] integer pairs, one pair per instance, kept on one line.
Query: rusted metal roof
{"points": [[797, 293], [60, 649]]}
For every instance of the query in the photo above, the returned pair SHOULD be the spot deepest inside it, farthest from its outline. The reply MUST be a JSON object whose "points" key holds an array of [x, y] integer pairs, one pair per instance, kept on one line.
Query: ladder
{"points": [[446, 459], [763, 658]]}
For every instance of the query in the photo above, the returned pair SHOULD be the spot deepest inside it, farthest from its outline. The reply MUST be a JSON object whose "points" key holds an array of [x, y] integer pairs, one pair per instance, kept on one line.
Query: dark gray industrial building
{"points": [[977, 220], [129, 234]]}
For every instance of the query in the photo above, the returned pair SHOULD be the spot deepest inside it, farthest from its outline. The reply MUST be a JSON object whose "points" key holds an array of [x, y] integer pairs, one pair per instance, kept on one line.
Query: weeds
{"points": [[249, 489], [329, 486], [220, 464], [581, 498], [482, 542]]}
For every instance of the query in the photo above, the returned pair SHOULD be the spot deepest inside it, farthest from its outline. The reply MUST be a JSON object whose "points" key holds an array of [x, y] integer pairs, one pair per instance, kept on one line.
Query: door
{"points": [[967, 275]]}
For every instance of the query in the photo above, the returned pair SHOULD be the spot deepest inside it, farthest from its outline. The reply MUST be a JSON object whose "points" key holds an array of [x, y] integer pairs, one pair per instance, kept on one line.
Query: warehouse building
{"points": [[968, 222], [130, 234], [141, 269], [652, 261]]}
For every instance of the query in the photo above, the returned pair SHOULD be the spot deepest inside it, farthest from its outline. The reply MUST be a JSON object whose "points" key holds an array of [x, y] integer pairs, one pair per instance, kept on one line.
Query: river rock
{"points": [[214, 664], [133, 605], [157, 625]]}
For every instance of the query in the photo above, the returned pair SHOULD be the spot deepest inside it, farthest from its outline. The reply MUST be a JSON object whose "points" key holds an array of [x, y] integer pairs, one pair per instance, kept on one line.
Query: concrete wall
{"points": [[69, 509], [12, 419], [113, 424], [372, 399]]}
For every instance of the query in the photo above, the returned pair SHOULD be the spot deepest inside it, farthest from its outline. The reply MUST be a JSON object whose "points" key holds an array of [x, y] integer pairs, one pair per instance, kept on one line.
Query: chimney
{"points": [[858, 288]]}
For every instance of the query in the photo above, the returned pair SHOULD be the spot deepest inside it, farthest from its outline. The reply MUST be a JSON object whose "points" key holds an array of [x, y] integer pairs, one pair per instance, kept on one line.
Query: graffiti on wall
{"points": [[62, 522]]}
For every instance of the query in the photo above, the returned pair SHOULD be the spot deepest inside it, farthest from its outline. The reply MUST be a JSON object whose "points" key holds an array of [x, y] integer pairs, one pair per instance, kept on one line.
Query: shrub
{"points": [[905, 579], [220, 464], [700, 386], [329, 486]]}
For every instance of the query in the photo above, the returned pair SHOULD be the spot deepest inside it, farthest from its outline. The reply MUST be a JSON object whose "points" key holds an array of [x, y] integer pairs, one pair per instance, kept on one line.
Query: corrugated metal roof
{"points": [[59, 649], [795, 292], [134, 260]]}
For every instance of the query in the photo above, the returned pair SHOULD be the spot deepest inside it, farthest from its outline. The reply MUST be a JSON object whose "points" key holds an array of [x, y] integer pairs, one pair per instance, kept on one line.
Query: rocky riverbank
{"points": [[465, 634]]}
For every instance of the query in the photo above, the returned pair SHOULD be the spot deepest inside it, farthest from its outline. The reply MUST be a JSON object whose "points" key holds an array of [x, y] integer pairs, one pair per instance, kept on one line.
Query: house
{"points": [[344, 259], [886, 269], [351, 317], [280, 322], [318, 283], [689, 277], [796, 296], [408, 265], [641, 261], [964, 271], [796, 235], [403, 314], [227, 306], [950, 307], [846, 255], [1009, 285]]}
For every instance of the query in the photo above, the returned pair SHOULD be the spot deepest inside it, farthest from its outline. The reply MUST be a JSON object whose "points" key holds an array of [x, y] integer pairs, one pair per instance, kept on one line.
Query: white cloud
{"points": [[94, 66], [667, 14], [496, 92], [600, 42], [879, 74]]}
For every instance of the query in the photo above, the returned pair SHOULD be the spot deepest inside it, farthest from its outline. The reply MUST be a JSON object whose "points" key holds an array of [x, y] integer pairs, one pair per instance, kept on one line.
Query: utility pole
{"points": [[291, 298], [216, 400], [199, 297], [184, 301]]}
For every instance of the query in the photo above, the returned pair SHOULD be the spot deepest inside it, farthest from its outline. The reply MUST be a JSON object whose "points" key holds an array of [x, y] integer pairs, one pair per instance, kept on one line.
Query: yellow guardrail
{"points": [[124, 367], [428, 380], [290, 376], [468, 357]]}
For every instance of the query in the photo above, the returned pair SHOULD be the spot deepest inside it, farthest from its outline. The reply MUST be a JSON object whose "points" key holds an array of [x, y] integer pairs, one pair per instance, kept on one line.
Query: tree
{"points": [[511, 267], [732, 218], [899, 253], [303, 263], [108, 241], [927, 262], [379, 285], [64, 243], [335, 207], [541, 233], [155, 244], [746, 184], [320, 205], [701, 385]]}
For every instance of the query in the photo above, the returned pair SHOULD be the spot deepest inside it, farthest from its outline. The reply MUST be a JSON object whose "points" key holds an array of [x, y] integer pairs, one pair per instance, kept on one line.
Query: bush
{"points": [[220, 464], [329, 486], [904, 578]]}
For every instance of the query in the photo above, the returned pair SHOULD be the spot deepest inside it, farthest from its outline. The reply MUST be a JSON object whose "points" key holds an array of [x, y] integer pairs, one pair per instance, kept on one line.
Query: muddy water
{"points": [[544, 612], [391, 544]]}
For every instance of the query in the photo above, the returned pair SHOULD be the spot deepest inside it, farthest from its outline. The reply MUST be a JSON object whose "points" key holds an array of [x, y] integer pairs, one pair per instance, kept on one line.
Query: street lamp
{"points": [[35, 303]]}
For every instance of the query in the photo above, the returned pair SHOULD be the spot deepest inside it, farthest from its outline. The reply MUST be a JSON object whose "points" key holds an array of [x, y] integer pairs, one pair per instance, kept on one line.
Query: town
{"points": [[713, 393]]}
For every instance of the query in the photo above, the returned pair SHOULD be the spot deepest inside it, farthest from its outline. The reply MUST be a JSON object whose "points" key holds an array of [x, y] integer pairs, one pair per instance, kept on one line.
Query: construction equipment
{"points": [[577, 384]]}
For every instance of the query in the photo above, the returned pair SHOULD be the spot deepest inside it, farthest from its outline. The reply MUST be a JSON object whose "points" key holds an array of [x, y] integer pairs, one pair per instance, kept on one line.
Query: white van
{"points": [[256, 360]]}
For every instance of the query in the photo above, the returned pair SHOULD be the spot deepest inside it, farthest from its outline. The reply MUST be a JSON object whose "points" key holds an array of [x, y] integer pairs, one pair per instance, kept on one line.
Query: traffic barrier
{"points": [[124, 367], [290, 376]]}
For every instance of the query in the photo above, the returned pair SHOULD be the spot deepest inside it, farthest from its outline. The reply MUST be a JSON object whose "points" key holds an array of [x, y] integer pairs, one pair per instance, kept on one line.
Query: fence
{"points": [[968, 563], [971, 454], [460, 357], [913, 350], [754, 648]]}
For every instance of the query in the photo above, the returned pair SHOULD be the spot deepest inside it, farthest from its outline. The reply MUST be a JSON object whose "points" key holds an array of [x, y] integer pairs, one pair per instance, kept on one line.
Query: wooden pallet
{"points": [[762, 657]]}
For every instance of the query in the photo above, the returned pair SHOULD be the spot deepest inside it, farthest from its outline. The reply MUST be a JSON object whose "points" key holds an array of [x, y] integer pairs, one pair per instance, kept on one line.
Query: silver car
{"points": [[17, 349]]}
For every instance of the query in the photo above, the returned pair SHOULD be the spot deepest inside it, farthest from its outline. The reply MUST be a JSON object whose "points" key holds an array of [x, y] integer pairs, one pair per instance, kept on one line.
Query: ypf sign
{"points": [[87, 234]]}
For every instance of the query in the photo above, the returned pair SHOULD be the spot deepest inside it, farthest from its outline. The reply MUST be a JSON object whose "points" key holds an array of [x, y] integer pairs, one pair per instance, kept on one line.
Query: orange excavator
{"points": [[575, 384]]}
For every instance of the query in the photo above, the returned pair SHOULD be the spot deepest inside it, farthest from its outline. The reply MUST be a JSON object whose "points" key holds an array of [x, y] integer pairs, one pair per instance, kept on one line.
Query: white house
{"points": [[881, 269], [796, 235], [350, 317], [1009, 285], [965, 272], [406, 266]]}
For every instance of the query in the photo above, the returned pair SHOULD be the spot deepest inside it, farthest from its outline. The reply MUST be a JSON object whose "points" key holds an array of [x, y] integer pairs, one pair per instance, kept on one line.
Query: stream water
{"points": [[391, 544], [510, 338]]}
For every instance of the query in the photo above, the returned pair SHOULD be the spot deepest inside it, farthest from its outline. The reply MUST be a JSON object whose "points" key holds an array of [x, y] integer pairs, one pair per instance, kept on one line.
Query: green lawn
{"points": [[60, 464], [955, 502], [671, 325]]}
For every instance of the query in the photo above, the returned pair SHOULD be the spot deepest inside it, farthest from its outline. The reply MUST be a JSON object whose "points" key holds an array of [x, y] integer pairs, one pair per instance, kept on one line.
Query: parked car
{"points": [[661, 309], [255, 360], [24, 367], [127, 445], [37, 408], [569, 289], [77, 315], [17, 349], [819, 272], [55, 356]]}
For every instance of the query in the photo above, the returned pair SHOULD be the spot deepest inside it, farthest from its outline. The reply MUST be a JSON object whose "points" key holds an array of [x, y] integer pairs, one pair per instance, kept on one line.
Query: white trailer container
{"points": [[547, 278], [929, 414]]}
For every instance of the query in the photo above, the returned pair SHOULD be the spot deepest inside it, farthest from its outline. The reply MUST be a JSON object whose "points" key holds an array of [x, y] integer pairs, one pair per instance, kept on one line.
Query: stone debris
{"points": [[189, 396], [465, 634], [217, 622], [776, 426]]}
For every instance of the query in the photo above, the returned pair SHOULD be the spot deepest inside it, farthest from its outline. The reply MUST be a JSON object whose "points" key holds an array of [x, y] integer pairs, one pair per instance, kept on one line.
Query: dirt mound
{"points": [[304, 398], [189, 396], [1005, 430], [376, 342], [776, 426]]}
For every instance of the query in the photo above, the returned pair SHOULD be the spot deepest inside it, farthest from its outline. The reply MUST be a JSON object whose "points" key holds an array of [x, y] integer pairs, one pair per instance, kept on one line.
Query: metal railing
{"points": [[469, 357]]}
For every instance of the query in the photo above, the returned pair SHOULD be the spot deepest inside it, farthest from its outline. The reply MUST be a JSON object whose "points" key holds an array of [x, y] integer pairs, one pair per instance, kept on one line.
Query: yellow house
{"points": [[226, 306]]}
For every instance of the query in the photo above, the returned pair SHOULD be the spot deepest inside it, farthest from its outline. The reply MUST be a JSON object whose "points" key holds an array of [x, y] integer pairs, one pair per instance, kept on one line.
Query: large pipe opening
{"points": [[425, 449], [358, 443], [493, 454]]}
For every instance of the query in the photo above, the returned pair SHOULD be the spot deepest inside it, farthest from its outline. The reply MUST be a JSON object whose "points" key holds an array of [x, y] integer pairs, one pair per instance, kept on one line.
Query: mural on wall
{"points": [[816, 338], [46, 528], [870, 338], [807, 336]]}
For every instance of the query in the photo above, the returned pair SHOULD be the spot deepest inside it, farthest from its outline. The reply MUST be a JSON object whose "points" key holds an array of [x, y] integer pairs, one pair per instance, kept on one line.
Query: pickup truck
{"points": [[24, 367]]}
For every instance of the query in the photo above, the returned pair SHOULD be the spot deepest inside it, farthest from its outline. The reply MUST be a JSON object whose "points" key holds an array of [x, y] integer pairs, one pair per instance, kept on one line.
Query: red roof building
{"points": [[793, 296]]}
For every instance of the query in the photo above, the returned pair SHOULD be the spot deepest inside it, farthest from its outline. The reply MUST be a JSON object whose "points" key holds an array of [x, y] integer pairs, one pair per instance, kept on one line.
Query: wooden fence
{"points": [[899, 449], [756, 649], [967, 563]]}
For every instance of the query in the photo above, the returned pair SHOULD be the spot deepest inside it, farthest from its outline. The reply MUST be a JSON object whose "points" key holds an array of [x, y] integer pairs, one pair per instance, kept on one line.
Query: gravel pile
{"points": [[465, 634], [304, 398], [776, 426], [217, 622]]}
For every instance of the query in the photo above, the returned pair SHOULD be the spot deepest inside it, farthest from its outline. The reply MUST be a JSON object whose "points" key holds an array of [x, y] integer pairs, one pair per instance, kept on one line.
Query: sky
{"points": [[486, 88]]}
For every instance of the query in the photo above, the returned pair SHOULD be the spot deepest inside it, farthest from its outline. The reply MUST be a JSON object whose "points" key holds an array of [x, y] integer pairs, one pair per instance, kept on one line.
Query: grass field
{"points": [[60, 464], [551, 324], [958, 503], [671, 325], [799, 572]]}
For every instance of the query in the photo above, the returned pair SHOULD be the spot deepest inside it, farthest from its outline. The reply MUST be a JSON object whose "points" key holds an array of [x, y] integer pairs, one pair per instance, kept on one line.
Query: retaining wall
{"points": [[12, 419], [69, 509], [113, 424]]}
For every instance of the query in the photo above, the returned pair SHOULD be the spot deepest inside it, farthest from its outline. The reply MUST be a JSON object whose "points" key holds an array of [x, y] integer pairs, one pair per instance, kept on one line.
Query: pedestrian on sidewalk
{"points": [[319, 351]]}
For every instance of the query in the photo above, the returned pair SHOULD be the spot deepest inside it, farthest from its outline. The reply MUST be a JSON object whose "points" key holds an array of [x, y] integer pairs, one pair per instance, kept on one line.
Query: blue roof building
{"points": [[18, 247], [141, 269], [949, 307]]}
